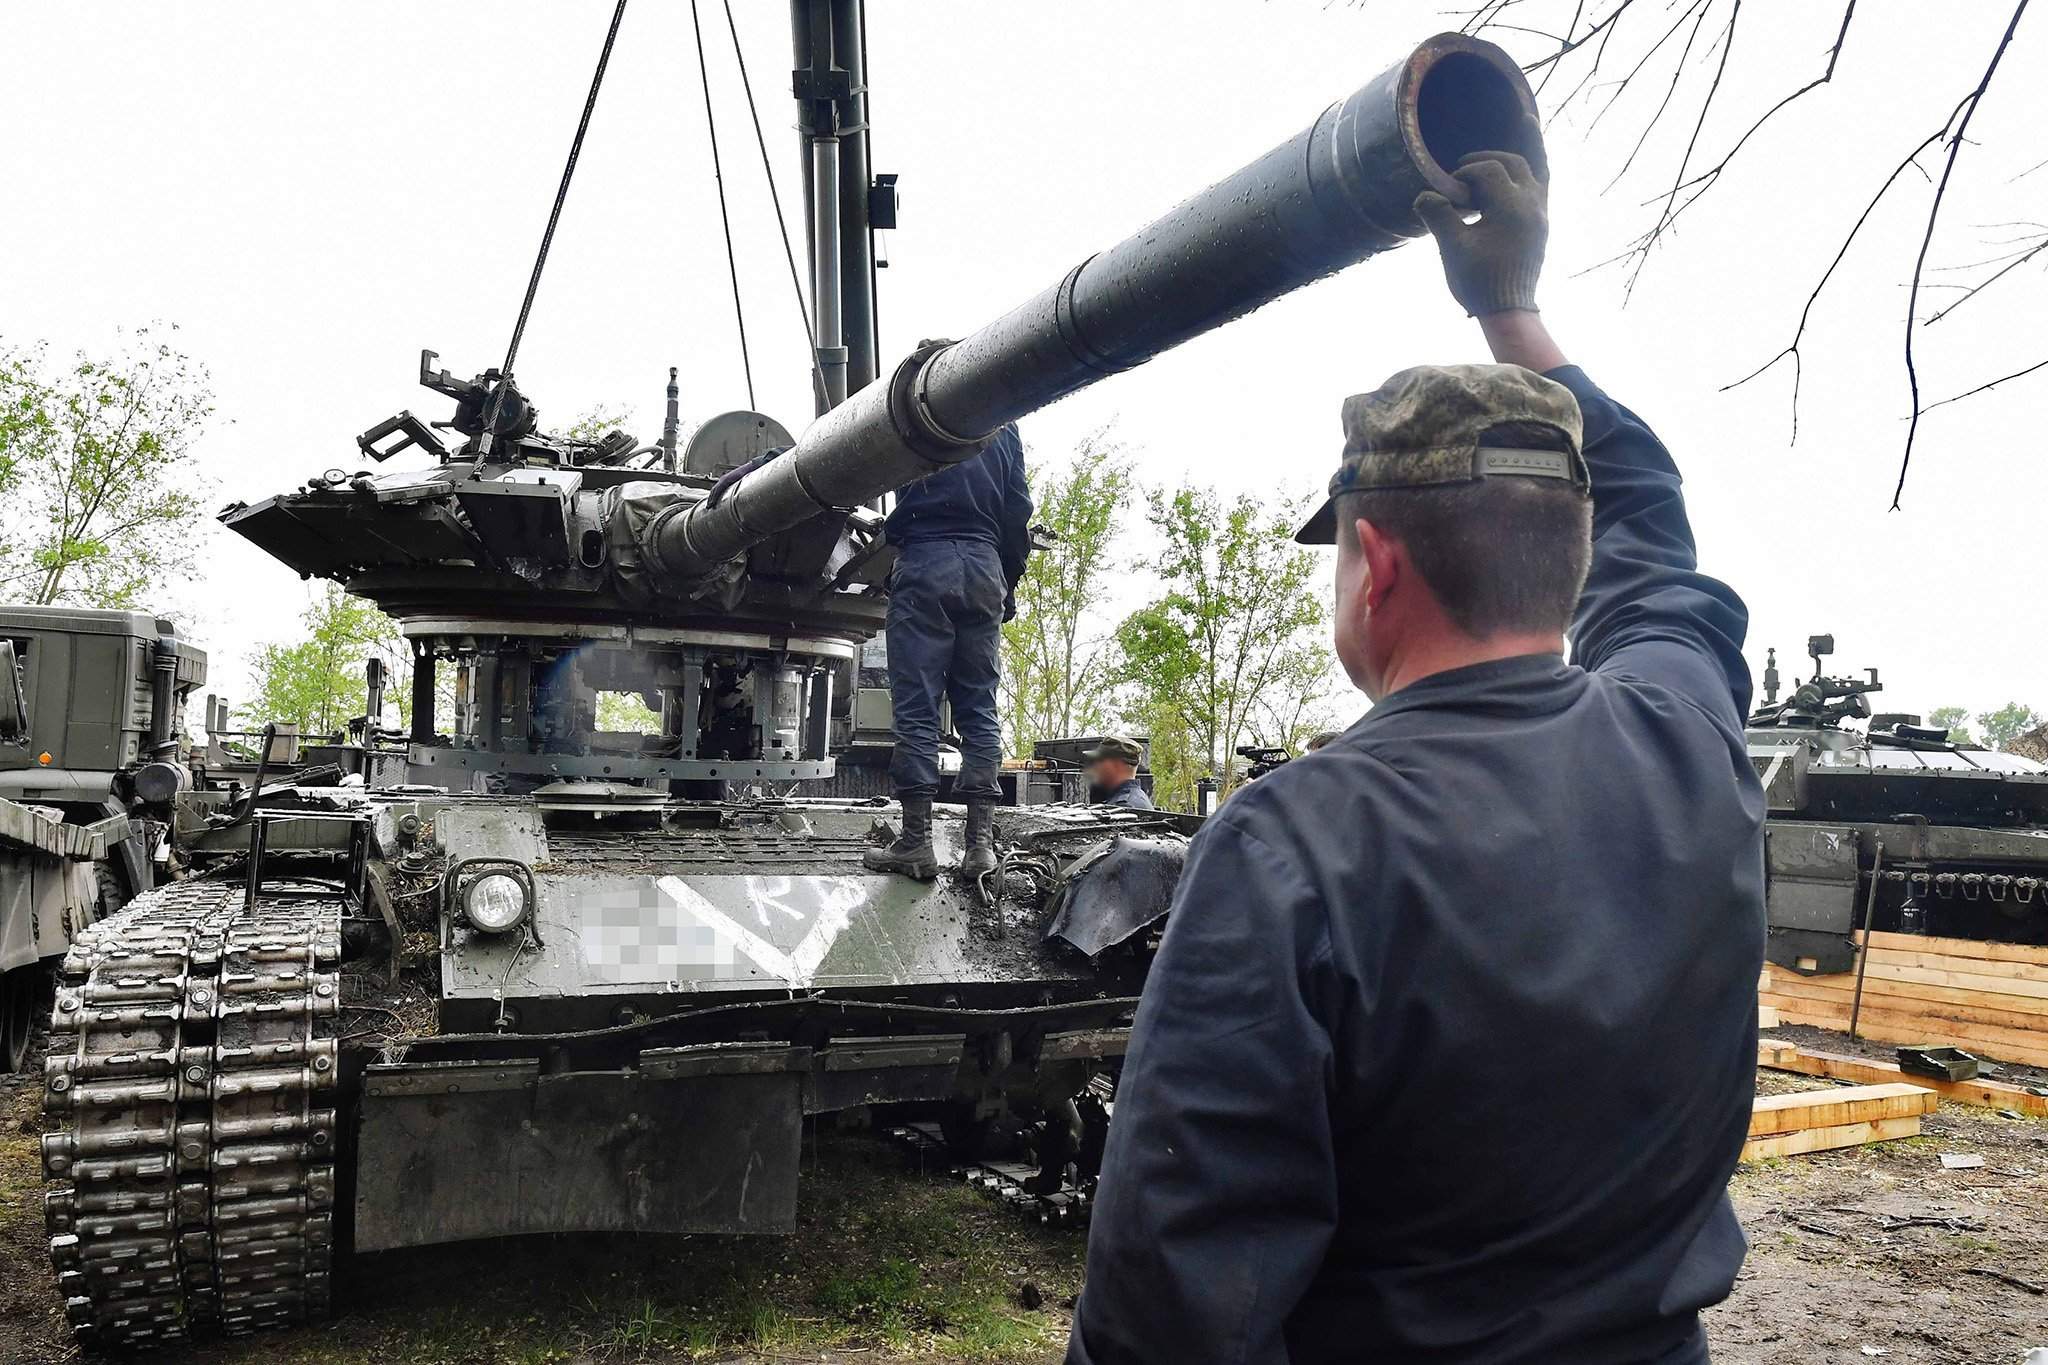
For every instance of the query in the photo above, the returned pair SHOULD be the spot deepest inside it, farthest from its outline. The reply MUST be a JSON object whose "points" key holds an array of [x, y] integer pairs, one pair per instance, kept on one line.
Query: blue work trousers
{"points": [[945, 631]]}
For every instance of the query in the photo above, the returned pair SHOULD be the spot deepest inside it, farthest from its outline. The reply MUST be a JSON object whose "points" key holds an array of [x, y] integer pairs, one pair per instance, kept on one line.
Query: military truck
{"points": [[1890, 824], [105, 692], [90, 709], [561, 978]]}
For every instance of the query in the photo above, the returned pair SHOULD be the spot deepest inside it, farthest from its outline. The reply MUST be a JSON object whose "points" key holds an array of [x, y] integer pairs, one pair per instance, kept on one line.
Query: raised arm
{"points": [[1218, 1191], [1016, 548], [1646, 610]]}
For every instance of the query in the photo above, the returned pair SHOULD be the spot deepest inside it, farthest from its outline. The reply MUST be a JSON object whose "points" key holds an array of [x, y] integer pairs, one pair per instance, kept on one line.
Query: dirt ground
{"points": [[1875, 1253]]}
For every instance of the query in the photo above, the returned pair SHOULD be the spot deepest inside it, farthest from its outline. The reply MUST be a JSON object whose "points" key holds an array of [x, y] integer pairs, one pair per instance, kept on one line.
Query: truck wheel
{"points": [[18, 993]]}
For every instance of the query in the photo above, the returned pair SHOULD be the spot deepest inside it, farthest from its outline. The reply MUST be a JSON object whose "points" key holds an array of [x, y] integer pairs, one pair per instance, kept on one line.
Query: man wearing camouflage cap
{"points": [[1113, 774], [1447, 1053]]}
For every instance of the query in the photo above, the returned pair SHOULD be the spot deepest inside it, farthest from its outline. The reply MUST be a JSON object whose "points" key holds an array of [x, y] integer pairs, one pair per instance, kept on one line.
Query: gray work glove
{"points": [[1492, 263]]}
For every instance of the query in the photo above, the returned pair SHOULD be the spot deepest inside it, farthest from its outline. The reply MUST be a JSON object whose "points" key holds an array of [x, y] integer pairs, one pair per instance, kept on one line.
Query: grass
{"points": [[889, 1266]]}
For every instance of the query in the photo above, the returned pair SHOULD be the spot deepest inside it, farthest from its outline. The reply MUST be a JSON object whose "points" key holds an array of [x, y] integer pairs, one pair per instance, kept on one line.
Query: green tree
{"points": [[1296, 702], [595, 421], [317, 682], [102, 503], [1055, 677], [1953, 719], [1241, 621], [2008, 723], [627, 713]]}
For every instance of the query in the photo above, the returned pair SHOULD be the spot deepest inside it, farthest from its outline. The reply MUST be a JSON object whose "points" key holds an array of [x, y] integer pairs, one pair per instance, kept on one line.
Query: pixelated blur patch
{"points": [[639, 933], [779, 928]]}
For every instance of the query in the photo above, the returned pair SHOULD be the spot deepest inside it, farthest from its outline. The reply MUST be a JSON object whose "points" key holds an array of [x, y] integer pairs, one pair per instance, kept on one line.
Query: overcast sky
{"points": [[314, 193]]}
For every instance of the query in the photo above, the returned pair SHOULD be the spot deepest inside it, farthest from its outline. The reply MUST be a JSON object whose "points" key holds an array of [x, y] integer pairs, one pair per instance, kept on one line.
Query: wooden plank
{"points": [[1969, 981], [1962, 947], [1976, 966], [1883, 1026], [1932, 1028], [1766, 1016], [1772, 1053], [1842, 1066], [2014, 1011], [1830, 1108], [2032, 1028], [1831, 1138], [1915, 1024], [1918, 1031]]}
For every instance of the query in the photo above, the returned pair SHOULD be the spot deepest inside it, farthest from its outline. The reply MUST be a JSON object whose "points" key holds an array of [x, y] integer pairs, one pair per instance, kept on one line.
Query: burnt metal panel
{"points": [[520, 520], [1812, 875], [1782, 770], [453, 1151], [857, 1071]]}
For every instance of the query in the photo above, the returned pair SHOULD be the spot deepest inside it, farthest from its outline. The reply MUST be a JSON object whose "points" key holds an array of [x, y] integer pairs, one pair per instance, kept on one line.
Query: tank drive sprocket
{"points": [[191, 1074]]}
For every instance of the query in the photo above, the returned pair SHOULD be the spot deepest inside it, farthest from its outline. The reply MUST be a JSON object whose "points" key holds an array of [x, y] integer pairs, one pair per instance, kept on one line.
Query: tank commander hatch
{"points": [[1356, 1121], [1113, 774]]}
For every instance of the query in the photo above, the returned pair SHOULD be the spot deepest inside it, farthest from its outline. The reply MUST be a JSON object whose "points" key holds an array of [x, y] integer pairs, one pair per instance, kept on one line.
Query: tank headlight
{"points": [[495, 902]]}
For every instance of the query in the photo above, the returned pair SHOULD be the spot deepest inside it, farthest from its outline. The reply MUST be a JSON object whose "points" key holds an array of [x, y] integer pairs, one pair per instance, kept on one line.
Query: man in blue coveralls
{"points": [[1447, 1053], [962, 537]]}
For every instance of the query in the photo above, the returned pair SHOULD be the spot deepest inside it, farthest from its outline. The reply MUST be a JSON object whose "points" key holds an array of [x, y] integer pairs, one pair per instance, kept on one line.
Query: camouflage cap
{"points": [[1427, 426], [1115, 746]]}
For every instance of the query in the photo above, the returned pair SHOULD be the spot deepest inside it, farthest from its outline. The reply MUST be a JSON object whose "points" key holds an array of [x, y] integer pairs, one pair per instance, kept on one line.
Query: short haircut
{"points": [[1501, 554]]}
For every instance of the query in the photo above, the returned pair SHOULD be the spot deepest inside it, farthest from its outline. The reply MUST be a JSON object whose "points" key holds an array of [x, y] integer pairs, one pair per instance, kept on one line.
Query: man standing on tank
{"points": [[1448, 1051], [962, 536]]}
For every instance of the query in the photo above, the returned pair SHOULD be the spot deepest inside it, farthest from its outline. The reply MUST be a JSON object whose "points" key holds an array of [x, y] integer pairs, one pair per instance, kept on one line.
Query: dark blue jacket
{"points": [[1128, 794], [984, 497], [1448, 1052]]}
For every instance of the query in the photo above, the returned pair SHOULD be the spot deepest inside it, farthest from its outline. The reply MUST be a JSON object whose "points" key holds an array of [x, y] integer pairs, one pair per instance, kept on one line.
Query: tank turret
{"points": [[544, 570]]}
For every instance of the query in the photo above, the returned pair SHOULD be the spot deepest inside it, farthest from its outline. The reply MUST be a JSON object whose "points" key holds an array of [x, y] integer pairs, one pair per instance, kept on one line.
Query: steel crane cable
{"points": [[547, 237], [718, 174], [775, 197]]}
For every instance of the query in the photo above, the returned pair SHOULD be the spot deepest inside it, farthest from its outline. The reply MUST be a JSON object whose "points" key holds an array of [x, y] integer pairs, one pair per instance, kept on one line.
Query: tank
{"points": [[519, 974], [1875, 817]]}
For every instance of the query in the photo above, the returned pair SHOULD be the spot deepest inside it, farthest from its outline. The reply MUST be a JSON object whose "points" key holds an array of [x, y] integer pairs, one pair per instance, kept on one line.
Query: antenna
{"points": [[669, 424]]}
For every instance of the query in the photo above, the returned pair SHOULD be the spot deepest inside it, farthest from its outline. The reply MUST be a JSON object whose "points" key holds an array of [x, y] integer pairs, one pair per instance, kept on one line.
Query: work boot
{"points": [[980, 858], [911, 854]]}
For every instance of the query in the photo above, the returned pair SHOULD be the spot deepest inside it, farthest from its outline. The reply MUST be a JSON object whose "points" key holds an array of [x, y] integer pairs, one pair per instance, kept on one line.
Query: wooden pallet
{"points": [[1825, 1120], [1989, 998]]}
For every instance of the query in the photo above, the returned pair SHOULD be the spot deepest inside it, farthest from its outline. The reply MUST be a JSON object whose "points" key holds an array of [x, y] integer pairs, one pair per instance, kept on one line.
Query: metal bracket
{"points": [[415, 432]]}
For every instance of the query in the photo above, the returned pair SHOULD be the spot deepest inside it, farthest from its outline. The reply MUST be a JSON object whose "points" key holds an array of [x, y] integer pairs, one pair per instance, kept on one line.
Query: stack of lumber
{"points": [[1823, 1120], [1988, 998], [1982, 1091]]}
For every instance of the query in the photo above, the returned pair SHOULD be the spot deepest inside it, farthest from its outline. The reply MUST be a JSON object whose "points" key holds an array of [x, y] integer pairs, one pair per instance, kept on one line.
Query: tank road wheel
{"points": [[113, 893], [189, 1092], [18, 991]]}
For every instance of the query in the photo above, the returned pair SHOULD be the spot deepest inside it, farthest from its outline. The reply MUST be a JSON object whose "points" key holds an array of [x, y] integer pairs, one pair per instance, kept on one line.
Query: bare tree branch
{"points": [[1574, 44], [1585, 39], [2014, 262], [1621, 86], [1966, 110], [1677, 72], [1806, 313], [1972, 393], [1665, 214], [1707, 177]]}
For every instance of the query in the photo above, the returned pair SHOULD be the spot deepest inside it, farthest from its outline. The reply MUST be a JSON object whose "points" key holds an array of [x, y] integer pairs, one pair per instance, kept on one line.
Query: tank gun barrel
{"points": [[1337, 192]]}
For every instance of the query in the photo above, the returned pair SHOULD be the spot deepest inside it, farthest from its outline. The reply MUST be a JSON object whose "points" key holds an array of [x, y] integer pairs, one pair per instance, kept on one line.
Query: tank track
{"points": [[190, 1083], [1008, 1183]]}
